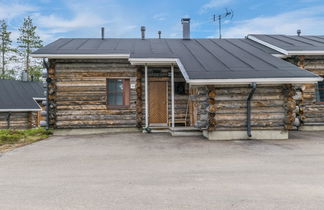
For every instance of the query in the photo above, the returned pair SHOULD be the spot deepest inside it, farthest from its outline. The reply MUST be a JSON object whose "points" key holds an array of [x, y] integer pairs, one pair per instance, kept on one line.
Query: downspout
{"points": [[8, 120], [248, 103], [48, 80]]}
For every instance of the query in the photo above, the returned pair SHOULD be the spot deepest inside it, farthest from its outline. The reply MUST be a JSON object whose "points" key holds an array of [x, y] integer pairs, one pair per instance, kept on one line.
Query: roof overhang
{"points": [[172, 61], [286, 53], [80, 56], [20, 110], [160, 61]]}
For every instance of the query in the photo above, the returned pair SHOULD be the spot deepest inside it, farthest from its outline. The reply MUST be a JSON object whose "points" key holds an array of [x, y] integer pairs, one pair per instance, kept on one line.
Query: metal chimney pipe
{"points": [[143, 32], [298, 32], [159, 32], [102, 33], [186, 28]]}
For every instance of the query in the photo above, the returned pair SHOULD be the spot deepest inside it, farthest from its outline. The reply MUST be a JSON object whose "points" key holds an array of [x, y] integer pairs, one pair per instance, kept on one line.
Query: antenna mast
{"points": [[228, 14]]}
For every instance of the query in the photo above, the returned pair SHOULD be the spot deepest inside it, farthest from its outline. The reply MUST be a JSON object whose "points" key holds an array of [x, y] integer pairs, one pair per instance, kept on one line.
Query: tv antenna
{"points": [[228, 14]]}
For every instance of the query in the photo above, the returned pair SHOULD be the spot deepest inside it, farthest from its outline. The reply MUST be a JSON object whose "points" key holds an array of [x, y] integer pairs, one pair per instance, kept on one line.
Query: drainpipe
{"points": [[8, 119], [248, 103], [48, 80]]}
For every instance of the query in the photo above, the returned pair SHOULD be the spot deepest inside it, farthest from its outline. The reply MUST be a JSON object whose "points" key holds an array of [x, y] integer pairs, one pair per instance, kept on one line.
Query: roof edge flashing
{"points": [[298, 80], [88, 56]]}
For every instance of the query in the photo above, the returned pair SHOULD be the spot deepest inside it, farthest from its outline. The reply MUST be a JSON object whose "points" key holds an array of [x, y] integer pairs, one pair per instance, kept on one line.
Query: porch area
{"points": [[163, 100]]}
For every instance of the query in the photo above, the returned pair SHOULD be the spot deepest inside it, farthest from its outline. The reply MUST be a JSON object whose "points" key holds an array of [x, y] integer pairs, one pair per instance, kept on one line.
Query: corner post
{"points": [[172, 95], [146, 97]]}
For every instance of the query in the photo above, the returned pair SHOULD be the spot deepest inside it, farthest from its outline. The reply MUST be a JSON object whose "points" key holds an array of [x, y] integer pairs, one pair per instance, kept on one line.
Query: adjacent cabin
{"points": [[221, 88], [306, 52], [20, 104]]}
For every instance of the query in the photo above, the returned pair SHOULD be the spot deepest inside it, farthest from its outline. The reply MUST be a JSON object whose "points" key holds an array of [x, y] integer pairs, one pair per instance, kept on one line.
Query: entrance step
{"points": [[185, 131], [177, 131]]}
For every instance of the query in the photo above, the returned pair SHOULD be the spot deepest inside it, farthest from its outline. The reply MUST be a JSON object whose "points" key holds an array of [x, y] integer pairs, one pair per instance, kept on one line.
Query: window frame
{"points": [[126, 93]]}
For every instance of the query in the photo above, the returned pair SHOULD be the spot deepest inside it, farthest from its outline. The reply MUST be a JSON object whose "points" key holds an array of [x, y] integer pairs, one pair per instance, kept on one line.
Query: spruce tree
{"points": [[6, 50], [27, 42]]}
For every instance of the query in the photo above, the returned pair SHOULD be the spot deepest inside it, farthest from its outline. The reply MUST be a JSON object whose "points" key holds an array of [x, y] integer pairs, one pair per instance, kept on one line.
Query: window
{"points": [[118, 93], [320, 91]]}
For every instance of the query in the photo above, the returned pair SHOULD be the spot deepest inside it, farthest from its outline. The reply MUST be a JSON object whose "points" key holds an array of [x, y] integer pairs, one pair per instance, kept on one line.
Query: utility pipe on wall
{"points": [[248, 103]]}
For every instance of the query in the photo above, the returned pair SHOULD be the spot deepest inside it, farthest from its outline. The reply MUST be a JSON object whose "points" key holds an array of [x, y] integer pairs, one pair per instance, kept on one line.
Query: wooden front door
{"points": [[158, 112]]}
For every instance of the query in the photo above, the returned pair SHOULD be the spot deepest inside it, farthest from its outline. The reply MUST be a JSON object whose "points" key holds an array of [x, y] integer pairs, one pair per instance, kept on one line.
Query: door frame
{"points": [[166, 81]]}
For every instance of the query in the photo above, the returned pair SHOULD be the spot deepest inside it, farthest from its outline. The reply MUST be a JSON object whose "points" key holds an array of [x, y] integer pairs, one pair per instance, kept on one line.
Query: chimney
{"points": [[102, 33], [186, 28], [298, 32], [159, 32], [143, 32]]}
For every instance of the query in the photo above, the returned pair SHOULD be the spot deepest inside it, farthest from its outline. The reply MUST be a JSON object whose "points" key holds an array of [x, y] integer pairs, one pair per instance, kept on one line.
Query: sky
{"points": [[123, 18]]}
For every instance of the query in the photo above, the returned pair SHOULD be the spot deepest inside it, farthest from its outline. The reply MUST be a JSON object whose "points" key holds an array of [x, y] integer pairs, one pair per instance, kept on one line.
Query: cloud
{"points": [[160, 16], [60, 24], [308, 20], [214, 4], [9, 11]]}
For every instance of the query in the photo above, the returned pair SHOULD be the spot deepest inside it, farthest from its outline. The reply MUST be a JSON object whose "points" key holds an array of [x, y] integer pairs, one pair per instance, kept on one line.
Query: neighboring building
{"points": [[307, 52], [226, 89], [20, 104]]}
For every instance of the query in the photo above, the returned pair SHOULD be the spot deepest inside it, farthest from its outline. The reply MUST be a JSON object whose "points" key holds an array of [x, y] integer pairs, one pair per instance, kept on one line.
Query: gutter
{"points": [[248, 107]]}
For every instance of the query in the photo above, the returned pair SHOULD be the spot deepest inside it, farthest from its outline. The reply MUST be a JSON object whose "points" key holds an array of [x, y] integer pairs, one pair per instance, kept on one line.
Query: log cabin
{"points": [[20, 104], [306, 52], [219, 88]]}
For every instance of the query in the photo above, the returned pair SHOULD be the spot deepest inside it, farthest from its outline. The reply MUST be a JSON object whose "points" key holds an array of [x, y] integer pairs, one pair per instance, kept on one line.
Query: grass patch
{"points": [[14, 138]]}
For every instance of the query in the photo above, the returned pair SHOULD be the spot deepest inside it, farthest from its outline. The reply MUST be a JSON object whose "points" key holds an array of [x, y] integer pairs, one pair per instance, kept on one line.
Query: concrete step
{"points": [[185, 131]]}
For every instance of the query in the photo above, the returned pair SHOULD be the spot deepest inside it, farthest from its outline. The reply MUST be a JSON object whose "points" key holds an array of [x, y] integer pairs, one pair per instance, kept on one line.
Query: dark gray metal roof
{"points": [[201, 58], [18, 95], [291, 42]]}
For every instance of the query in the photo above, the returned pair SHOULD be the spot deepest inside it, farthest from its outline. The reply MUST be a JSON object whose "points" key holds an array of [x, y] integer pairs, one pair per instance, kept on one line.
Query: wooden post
{"points": [[146, 97], [172, 94]]}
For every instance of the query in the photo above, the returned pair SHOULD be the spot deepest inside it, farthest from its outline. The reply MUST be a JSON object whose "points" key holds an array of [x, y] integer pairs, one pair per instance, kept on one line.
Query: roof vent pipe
{"points": [[185, 28], [102, 33], [143, 32], [159, 32], [298, 32]]}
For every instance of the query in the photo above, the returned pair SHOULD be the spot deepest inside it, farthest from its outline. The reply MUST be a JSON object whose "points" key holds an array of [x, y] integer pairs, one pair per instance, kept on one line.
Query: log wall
{"points": [[18, 120], [224, 107], [78, 94], [311, 111]]}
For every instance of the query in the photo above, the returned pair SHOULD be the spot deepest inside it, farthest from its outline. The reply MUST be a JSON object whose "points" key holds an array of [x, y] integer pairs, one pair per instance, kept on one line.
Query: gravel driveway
{"points": [[157, 171]]}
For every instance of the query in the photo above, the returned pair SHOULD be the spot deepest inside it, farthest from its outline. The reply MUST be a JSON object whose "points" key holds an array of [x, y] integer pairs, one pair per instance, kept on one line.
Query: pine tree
{"points": [[5, 48], [27, 42]]}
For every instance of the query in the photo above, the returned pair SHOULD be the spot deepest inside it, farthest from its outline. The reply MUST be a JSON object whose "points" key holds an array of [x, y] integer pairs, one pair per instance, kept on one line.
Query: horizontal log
{"points": [[96, 122], [260, 116], [90, 107], [96, 117], [93, 112], [254, 123]]}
